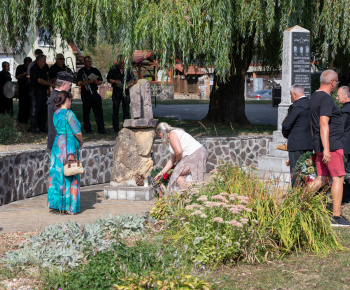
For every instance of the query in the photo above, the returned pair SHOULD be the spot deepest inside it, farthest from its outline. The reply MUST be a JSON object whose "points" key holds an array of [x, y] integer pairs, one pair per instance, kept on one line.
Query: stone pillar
{"points": [[296, 69]]}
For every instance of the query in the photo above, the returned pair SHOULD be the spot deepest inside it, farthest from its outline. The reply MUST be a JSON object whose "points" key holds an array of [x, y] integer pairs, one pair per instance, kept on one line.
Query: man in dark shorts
{"points": [[64, 82], [89, 78], [116, 76], [297, 129], [23, 91], [327, 129]]}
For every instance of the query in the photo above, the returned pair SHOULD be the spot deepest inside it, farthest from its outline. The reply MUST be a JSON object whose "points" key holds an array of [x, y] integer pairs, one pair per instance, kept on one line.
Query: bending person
{"points": [[188, 154], [64, 191]]}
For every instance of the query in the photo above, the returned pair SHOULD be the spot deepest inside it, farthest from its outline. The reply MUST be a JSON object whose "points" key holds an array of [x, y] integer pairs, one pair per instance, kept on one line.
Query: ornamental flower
{"points": [[235, 223], [218, 219], [165, 176], [219, 197], [311, 170], [313, 158], [223, 193], [203, 215], [308, 162], [196, 212], [202, 198], [234, 210], [244, 220]]}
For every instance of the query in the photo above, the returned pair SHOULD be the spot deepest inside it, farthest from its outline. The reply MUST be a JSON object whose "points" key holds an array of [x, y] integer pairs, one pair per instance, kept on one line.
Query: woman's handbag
{"points": [[73, 166]]}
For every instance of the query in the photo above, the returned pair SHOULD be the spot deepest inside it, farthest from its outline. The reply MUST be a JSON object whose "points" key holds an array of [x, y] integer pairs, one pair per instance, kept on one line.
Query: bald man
{"points": [[327, 129], [297, 129]]}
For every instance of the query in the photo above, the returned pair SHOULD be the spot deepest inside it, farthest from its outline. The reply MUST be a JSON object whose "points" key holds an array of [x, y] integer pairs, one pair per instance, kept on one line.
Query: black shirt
{"points": [[345, 111], [55, 68], [39, 73], [23, 81], [115, 74], [322, 104], [51, 109], [5, 77], [296, 127], [83, 75]]}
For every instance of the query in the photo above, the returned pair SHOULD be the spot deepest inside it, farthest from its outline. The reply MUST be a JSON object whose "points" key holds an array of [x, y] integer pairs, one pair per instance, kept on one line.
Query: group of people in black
{"points": [[37, 81]]}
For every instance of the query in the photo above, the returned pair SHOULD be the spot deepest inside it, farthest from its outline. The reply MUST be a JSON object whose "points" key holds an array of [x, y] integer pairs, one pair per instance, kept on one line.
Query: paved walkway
{"points": [[32, 214], [256, 113]]}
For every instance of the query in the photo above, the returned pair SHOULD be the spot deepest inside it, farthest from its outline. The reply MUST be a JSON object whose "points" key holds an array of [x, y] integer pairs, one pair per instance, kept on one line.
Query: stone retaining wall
{"points": [[24, 173]]}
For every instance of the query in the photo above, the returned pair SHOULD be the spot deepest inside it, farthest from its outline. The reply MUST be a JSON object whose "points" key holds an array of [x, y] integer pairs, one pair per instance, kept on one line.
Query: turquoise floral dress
{"points": [[64, 192]]}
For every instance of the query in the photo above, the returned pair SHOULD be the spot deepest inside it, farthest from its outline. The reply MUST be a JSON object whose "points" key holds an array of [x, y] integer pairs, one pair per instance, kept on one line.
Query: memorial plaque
{"points": [[301, 67]]}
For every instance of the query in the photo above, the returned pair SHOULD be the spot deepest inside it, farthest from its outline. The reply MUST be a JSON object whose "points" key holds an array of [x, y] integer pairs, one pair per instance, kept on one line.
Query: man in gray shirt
{"points": [[63, 83]]}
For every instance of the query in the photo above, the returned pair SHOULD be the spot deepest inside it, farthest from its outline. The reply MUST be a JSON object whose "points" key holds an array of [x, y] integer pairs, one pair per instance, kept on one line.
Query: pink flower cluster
{"points": [[202, 198], [218, 219], [234, 223], [219, 197], [196, 212], [192, 206]]}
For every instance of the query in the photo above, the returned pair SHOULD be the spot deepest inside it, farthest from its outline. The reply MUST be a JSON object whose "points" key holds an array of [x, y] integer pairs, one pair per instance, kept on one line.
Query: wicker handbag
{"points": [[73, 166]]}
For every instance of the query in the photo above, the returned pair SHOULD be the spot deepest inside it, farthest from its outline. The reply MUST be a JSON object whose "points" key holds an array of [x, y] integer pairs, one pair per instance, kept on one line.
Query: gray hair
{"points": [[327, 76], [60, 83], [346, 91], [297, 89], [165, 128]]}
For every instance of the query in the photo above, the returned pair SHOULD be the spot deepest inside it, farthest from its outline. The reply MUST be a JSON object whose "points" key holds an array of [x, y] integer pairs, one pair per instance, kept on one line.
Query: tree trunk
{"points": [[227, 102]]}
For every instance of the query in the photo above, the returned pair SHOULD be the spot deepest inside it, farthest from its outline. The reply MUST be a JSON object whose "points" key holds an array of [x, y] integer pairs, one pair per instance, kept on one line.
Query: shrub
{"points": [[64, 245], [8, 132], [237, 216], [123, 265]]}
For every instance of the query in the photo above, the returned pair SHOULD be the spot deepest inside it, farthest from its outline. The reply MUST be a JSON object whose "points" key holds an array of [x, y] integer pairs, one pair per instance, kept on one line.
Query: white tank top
{"points": [[188, 143]]}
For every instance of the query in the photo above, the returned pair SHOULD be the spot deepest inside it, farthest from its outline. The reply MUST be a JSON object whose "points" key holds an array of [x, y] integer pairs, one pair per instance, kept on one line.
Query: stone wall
{"points": [[163, 92], [25, 173], [223, 149]]}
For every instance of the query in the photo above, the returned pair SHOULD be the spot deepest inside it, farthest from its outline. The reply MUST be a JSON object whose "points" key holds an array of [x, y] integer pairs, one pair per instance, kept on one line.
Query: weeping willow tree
{"points": [[224, 34]]}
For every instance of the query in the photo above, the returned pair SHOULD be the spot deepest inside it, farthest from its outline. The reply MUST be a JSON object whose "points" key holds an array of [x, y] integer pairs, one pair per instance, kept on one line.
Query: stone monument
{"points": [[296, 69], [132, 151]]}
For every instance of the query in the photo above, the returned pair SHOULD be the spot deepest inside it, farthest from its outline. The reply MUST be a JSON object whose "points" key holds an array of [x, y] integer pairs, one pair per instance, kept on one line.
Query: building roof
{"points": [[140, 55]]}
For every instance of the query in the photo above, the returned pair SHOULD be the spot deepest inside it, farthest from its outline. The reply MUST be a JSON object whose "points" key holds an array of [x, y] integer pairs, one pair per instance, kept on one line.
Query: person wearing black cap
{"points": [[39, 85], [23, 91], [63, 83], [89, 78], [116, 76], [57, 67]]}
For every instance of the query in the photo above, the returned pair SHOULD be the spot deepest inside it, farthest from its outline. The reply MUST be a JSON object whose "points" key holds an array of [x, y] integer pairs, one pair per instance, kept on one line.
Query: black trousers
{"points": [[93, 102], [23, 105], [125, 100], [38, 109], [6, 105], [293, 159]]}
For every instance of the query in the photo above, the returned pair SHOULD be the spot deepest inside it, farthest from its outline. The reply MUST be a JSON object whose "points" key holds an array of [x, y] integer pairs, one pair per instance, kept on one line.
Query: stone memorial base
{"points": [[140, 123], [137, 193]]}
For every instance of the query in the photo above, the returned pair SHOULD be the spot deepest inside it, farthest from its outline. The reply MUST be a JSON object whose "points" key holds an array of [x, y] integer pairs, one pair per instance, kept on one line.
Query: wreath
{"points": [[306, 167], [160, 185]]}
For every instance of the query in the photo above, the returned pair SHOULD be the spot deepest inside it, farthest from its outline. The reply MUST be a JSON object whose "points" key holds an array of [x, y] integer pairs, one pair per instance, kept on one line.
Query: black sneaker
{"points": [[340, 221]]}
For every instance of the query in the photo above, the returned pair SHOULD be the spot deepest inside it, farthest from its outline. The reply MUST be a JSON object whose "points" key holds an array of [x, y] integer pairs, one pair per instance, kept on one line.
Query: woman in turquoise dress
{"points": [[64, 192]]}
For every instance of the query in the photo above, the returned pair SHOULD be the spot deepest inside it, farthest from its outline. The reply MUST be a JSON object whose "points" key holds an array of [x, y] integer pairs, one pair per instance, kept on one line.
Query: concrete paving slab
{"points": [[32, 214]]}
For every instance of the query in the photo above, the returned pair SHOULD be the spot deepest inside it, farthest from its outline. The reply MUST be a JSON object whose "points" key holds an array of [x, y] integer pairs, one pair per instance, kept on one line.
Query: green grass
{"points": [[301, 271], [195, 128]]}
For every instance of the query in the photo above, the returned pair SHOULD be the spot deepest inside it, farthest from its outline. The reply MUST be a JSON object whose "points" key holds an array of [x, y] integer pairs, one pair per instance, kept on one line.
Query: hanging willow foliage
{"points": [[207, 30]]}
